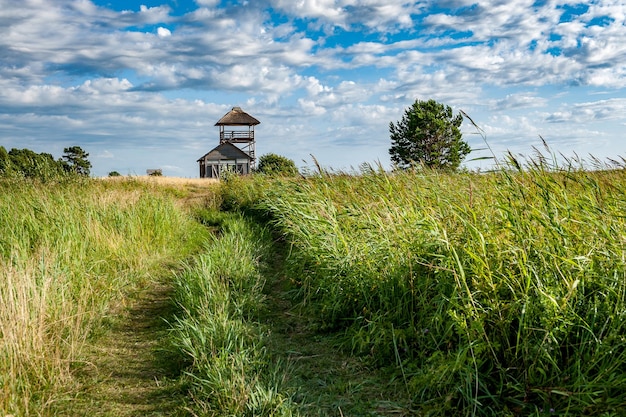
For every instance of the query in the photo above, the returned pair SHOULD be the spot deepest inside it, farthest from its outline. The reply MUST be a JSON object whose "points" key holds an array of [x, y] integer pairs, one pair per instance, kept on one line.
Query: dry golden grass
{"points": [[200, 182], [188, 192]]}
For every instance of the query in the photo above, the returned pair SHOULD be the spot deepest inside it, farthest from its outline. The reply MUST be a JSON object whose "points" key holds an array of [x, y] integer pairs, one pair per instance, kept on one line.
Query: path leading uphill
{"points": [[128, 373]]}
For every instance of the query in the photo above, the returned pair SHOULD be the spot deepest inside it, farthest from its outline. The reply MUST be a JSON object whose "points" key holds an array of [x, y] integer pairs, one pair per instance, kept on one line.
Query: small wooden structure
{"points": [[224, 157], [236, 126]]}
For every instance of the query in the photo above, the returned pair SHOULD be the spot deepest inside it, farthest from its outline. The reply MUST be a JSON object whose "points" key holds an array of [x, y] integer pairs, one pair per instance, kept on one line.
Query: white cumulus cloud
{"points": [[163, 32]]}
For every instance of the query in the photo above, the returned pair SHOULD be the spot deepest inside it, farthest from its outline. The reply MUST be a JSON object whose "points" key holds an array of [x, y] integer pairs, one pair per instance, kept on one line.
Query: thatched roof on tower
{"points": [[237, 117]]}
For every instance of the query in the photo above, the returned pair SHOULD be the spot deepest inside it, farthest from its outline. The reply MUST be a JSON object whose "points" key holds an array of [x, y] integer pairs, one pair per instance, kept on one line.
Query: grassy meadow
{"points": [[490, 294], [70, 252], [470, 294]]}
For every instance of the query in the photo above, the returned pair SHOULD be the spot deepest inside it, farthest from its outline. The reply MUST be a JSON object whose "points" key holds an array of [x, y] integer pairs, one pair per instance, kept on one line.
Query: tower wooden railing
{"points": [[237, 136]]}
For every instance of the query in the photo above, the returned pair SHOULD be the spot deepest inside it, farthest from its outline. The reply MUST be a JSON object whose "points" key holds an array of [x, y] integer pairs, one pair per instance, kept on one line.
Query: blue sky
{"points": [[140, 84]]}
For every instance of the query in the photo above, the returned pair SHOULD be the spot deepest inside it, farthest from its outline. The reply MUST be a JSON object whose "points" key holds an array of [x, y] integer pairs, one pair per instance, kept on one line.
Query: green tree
{"points": [[428, 134], [272, 164], [24, 162], [5, 161], [29, 164], [75, 160]]}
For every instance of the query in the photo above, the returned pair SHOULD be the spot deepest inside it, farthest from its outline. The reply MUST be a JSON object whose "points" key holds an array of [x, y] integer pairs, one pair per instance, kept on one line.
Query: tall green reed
{"points": [[496, 294]]}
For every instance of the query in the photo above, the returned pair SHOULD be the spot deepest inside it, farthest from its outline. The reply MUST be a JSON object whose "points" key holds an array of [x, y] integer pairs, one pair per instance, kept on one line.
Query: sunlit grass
{"points": [[217, 332], [163, 180], [69, 252], [498, 293], [494, 294]]}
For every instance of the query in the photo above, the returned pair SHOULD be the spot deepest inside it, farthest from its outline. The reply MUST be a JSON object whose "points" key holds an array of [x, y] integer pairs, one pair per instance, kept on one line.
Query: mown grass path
{"points": [[128, 373], [325, 379]]}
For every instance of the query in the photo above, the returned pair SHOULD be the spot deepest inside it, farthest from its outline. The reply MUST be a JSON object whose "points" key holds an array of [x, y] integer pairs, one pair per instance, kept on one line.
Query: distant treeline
{"points": [[25, 163]]}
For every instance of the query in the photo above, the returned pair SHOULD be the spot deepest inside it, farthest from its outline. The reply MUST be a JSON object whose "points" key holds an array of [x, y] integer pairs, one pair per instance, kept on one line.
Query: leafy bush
{"points": [[272, 164]]}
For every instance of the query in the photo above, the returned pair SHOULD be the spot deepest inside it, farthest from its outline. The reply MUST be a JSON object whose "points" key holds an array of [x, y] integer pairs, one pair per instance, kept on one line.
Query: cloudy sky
{"points": [[139, 84]]}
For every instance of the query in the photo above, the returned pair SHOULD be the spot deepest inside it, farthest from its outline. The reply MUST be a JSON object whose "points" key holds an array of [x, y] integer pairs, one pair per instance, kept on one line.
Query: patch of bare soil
{"points": [[128, 372]]}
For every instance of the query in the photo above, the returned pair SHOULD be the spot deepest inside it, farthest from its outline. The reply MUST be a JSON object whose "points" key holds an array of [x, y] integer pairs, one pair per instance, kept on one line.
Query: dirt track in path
{"points": [[128, 373]]}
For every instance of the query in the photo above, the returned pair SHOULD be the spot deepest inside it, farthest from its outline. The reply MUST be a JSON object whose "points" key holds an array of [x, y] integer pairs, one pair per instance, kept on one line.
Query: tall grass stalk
{"points": [[69, 252], [499, 293]]}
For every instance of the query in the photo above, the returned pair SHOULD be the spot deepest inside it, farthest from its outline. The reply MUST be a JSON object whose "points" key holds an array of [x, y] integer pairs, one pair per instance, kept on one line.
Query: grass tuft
{"points": [[217, 333]]}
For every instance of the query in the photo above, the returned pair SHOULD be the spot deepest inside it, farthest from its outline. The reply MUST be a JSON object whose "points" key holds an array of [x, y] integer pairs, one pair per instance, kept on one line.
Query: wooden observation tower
{"points": [[237, 127]]}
